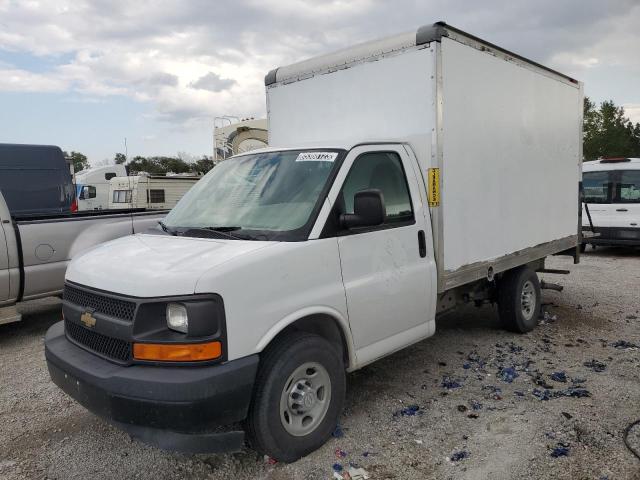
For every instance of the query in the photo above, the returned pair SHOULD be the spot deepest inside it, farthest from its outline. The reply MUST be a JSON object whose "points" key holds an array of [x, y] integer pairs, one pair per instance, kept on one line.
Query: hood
{"points": [[146, 265]]}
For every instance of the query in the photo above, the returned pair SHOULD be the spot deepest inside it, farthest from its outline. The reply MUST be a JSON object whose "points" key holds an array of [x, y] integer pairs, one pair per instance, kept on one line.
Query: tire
{"points": [[296, 360], [519, 300], [583, 247]]}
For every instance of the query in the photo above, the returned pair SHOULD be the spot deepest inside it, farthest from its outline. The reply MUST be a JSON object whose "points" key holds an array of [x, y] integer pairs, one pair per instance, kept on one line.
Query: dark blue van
{"points": [[35, 180]]}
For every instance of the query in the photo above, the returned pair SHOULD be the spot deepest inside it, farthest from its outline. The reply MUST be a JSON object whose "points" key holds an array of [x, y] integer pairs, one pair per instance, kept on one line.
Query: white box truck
{"points": [[404, 176]]}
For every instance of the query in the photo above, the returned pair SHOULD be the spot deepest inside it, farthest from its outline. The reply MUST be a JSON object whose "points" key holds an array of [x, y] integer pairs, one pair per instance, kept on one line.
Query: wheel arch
{"points": [[327, 323]]}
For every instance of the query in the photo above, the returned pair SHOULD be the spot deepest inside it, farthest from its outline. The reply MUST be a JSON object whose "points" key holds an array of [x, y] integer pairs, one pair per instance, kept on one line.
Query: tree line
{"points": [[156, 165], [608, 132]]}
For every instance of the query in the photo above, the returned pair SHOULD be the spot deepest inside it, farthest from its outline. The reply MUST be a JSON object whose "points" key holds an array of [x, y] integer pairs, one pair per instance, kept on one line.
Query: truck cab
{"points": [[92, 186]]}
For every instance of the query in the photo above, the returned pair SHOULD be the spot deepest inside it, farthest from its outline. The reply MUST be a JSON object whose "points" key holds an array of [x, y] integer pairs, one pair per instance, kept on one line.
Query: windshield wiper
{"points": [[224, 231], [167, 229]]}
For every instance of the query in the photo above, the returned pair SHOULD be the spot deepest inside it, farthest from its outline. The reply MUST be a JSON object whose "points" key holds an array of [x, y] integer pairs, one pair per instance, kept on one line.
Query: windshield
{"points": [[266, 196]]}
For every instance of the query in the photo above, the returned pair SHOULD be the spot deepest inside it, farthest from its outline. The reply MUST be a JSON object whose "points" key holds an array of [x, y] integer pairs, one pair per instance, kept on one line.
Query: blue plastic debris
{"points": [[508, 374], [337, 467], [338, 432], [575, 392], [513, 348], [560, 450], [559, 377], [409, 411], [466, 366], [541, 394], [595, 365], [449, 383], [623, 344], [518, 393], [457, 456], [568, 392], [476, 405]]}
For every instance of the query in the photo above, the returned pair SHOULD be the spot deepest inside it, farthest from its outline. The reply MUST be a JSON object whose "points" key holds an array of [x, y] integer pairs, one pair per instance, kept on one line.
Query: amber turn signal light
{"points": [[177, 352]]}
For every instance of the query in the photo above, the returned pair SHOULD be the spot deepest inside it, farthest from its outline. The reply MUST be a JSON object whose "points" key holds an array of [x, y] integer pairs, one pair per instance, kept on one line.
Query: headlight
{"points": [[177, 318]]}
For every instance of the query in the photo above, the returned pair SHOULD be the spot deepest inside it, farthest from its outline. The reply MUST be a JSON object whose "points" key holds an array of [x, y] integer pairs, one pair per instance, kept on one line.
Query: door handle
{"points": [[422, 244], [621, 210]]}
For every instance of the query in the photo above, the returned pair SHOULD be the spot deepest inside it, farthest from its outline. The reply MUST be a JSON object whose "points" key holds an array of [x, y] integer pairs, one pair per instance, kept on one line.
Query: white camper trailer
{"points": [[149, 191], [92, 186]]}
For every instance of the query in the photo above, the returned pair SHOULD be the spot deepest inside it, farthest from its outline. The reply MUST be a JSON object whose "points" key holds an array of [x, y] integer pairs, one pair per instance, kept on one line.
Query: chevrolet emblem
{"points": [[88, 319]]}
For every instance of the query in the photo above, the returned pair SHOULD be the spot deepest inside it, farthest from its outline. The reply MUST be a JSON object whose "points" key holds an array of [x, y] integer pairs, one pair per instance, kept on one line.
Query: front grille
{"points": [[100, 303], [113, 348]]}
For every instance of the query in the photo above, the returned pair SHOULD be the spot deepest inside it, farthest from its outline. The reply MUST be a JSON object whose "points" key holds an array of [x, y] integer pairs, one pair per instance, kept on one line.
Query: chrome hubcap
{"points": [[528, 300], [305, 399]]}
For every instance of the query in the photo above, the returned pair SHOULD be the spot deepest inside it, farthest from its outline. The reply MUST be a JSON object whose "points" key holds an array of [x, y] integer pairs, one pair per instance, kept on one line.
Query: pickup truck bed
{"points": [[35, 251]]}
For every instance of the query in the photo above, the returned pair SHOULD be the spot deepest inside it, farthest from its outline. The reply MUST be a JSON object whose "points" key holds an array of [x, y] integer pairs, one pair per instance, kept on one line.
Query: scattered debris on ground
{"points": [[560, 450], [457, 456]]}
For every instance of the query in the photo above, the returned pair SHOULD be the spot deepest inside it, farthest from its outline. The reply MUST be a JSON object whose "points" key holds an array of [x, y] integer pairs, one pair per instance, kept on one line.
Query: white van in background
{"points": [[92, 186], [149, 191], [612, 198]]}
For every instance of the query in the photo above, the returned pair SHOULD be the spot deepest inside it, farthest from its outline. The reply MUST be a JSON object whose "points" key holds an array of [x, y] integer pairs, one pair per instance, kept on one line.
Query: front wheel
{"points": [[298, 397], [519, 300]]}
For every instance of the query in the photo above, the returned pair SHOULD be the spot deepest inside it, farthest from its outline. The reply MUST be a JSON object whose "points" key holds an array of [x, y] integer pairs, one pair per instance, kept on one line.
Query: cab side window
{"points": [[596, 187], [382, 171], [629, 186], [88, 192]]}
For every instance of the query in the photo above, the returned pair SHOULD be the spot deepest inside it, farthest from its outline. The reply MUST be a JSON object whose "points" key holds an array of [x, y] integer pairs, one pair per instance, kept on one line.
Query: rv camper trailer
{"points": [[148, 191]]}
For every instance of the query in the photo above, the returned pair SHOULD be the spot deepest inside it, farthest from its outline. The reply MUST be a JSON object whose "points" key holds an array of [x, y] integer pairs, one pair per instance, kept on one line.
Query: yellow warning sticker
{"points": [[433, 187]]}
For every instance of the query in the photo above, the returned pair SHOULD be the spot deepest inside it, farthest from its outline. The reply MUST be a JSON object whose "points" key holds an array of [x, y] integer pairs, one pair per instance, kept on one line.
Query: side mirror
{"points": [[368, 210]]}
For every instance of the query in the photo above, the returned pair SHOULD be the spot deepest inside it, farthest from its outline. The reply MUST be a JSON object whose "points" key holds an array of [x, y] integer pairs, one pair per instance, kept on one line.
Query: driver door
{"points": [[388, 270]]}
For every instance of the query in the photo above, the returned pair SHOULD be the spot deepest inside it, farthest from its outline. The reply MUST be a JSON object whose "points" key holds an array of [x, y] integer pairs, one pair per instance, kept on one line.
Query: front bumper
{"points": [[177, 408]]}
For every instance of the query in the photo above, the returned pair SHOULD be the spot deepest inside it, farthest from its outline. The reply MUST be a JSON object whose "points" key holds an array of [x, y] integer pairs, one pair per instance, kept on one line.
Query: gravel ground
{"points": [[503, 428]]}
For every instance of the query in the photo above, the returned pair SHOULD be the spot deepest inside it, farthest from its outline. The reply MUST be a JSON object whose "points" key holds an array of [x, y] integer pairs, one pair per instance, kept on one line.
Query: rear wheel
{"points": [[298, 398], [519, 300]]}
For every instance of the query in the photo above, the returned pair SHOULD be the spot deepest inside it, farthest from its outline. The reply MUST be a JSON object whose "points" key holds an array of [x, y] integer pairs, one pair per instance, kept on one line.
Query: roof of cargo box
{"points": [[375, 48]]}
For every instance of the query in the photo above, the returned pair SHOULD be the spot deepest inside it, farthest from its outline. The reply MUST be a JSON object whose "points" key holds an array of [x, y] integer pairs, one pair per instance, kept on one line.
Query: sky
{"points": [[85, 75]]}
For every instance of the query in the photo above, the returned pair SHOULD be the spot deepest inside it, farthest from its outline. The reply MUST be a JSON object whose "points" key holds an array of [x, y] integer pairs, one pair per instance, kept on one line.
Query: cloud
{"points": [[17, 80], [213, 83], [190, 61], [632, 110]]}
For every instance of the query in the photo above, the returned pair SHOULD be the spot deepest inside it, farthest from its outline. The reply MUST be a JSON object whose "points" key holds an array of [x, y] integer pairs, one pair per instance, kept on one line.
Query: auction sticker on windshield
{"points": [[316, 156]]}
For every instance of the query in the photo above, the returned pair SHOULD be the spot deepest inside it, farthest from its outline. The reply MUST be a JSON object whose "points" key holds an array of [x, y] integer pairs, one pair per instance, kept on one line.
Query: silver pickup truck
{"points": [[35, 251]]}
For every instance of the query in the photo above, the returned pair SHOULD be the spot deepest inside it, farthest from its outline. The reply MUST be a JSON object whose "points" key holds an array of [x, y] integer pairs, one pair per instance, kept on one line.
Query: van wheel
{"points": [[298, 397], [583, 247], [519, 300]]}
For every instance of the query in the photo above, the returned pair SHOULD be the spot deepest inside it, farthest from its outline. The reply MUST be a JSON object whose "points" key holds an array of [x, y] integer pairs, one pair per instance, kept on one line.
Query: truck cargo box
{"points": [[498, 137]]}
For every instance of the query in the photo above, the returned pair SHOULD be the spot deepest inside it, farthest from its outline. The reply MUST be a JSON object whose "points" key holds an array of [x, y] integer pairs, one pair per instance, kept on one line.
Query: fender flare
{"points": [[290, 319]]}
